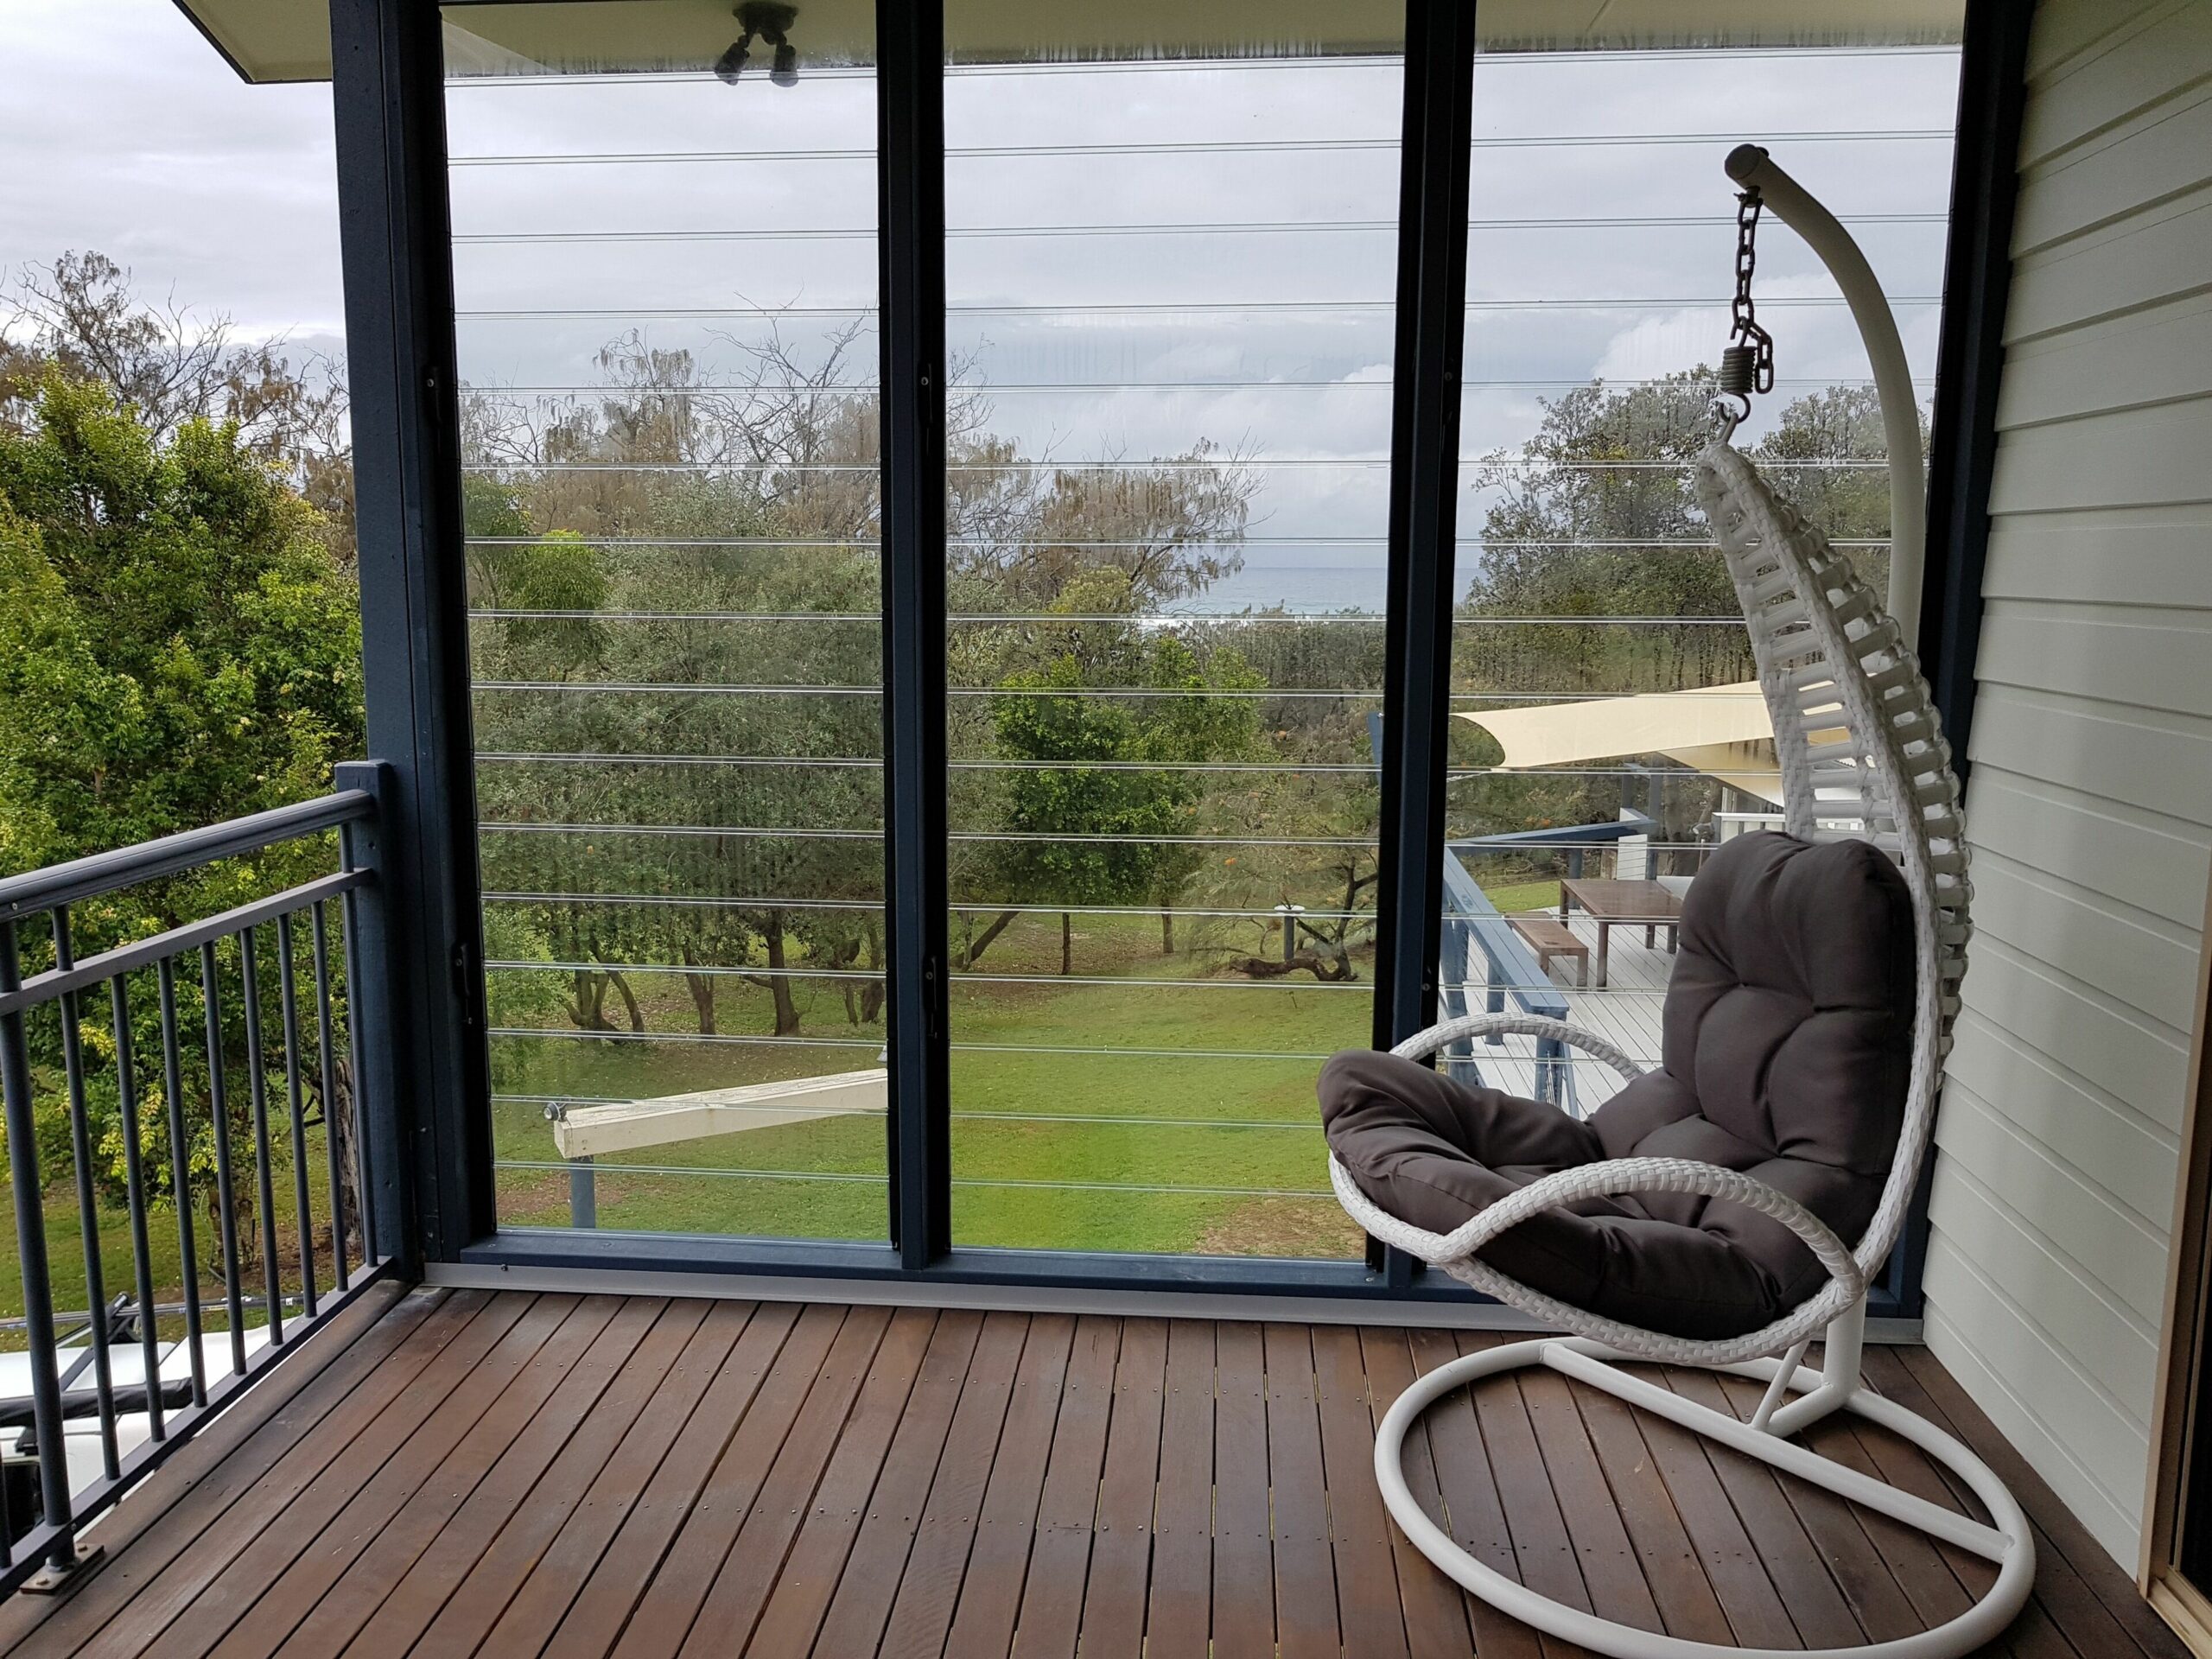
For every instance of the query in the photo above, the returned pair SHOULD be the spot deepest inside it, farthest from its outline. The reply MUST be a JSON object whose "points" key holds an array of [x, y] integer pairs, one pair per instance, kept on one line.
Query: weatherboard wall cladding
{"points": [[2090, 804]]}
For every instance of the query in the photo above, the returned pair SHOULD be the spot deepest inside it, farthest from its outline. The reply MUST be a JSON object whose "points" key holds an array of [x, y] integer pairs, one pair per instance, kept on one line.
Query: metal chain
{"points": [[1746, 331]]}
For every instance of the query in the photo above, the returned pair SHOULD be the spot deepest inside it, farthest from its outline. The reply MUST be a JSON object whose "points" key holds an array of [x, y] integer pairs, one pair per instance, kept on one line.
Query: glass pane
{"points": [[666, 276], [1171, 265], [1601, 260]]}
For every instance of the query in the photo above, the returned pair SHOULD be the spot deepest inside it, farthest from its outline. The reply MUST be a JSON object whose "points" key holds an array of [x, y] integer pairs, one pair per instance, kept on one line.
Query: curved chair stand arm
{"points": [[1838, 1310], [2007, 1540], [1455, 1252]]}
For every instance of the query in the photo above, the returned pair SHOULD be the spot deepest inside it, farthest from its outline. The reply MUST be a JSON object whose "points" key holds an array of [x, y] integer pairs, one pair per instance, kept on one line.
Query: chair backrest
{"points": [[1788, 1021], [1862, 757]]}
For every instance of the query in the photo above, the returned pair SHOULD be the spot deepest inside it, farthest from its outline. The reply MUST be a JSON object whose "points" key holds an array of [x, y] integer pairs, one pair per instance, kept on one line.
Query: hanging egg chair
{"points": [[1730, 1204]]}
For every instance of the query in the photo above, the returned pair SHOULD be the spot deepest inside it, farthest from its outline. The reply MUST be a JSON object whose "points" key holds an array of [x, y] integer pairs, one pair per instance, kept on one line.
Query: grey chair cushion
{"points": [[1786, 1051]]}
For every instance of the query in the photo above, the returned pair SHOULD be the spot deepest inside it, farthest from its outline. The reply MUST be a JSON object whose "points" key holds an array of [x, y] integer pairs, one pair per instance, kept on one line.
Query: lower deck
{"points": [[467, 1473]]}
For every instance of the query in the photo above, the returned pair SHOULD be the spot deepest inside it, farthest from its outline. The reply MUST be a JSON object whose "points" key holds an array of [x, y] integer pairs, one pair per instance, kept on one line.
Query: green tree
{"points": [[1597, 577], [178, 645], [1103, 792]]}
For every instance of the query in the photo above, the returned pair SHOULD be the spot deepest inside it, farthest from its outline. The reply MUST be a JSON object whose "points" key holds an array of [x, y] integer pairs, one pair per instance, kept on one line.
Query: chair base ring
{"points": [[2007, 1542]]}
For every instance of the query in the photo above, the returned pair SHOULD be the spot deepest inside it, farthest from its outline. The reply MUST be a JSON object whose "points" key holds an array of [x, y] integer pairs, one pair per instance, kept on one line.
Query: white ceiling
{"points": [[288, 40]]}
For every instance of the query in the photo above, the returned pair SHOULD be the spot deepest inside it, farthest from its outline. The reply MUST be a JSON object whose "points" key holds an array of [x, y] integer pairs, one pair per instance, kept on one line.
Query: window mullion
{"points": [[910, 162]]}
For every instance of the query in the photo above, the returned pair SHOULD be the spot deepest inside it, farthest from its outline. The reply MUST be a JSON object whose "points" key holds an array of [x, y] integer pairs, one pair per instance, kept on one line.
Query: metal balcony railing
{"points": [[251, 1085]]}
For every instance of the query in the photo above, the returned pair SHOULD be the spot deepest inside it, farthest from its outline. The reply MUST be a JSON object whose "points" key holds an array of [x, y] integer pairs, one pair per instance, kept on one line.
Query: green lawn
{"points": [[66, 1252], [1247, 1124]]}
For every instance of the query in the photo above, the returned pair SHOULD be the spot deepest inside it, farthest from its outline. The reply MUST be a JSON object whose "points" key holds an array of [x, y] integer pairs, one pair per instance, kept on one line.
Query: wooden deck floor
{"points": [[518, 1474], [1625, 1011]]}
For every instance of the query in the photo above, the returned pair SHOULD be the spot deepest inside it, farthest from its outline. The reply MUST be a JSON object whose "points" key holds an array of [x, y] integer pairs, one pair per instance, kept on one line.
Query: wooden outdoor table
{"points": [[1649, 905]]}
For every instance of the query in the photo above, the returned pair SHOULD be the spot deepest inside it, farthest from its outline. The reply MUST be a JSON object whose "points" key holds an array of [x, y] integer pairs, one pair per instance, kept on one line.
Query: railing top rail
{"points": [[36, 891], [144, 953]]}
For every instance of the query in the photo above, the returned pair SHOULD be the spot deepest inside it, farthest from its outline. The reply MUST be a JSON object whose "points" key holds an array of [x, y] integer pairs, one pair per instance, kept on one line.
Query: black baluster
{"points": [[31, 1244], [288, 995], [88, 1215], [258, 1102], [126, 1090], [226, 1204], [327, 1055], [180, 1175], [364, 1164]]}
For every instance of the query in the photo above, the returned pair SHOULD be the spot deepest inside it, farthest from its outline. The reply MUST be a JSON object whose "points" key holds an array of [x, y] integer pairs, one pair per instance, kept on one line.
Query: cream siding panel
{"points": [[2157, 555], [2153, 154], [2160, 763], [2090, 801], [2072, 1219], [2101, 87], [2135, 459], [2085, 314], [2153, 866], [2100, 1343], [2106, 1516], [2088, 1130], [2126, 267], [2012, 1341], [2144, 660], [2069, 36], [2131, 964], [2124, 1053]]}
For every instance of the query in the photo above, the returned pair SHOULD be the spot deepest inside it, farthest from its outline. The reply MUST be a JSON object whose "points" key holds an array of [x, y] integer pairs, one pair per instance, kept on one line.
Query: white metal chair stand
{"points": [[1861, 756]]}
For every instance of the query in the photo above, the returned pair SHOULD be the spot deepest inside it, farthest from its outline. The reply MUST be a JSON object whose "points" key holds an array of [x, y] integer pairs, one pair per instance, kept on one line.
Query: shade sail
{"points": [[1723, 731], [290, 40]]}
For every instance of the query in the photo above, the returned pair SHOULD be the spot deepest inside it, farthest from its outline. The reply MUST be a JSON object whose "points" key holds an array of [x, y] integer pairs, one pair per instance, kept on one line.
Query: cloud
{"points": [[123, 132]]}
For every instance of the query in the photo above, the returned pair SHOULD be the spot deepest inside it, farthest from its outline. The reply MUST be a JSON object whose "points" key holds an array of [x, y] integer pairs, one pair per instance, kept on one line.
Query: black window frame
{"points": [[388, 93]]}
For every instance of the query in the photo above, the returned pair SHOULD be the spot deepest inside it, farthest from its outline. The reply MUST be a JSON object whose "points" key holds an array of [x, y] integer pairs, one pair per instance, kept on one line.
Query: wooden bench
{"points": [[1550, 937]]}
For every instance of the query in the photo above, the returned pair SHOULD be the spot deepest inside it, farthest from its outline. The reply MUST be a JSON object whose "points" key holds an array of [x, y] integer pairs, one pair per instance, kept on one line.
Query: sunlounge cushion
{"points": [[1787, 1042]]}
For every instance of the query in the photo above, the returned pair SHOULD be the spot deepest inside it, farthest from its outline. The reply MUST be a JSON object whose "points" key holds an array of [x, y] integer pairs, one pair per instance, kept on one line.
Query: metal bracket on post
{"points": [[57, 1574], [373, 1026]]}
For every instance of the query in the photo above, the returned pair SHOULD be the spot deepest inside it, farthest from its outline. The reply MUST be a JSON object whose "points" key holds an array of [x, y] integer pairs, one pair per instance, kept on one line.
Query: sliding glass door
{"points": [[1170, 257], [666, 267], [1074, 388]]}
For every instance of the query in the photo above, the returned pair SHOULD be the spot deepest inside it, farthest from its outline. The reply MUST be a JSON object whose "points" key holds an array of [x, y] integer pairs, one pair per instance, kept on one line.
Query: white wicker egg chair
{"points": [[1861, 756]]}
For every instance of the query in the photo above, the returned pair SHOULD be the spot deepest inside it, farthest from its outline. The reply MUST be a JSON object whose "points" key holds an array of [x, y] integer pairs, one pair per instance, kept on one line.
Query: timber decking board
{"points": [[374, 1515], [937, 1562], [312, 1471], [1435, 1613], [1305, 1580], [998, 1560], [604, 1600], [1244, 1561], [224, 1459], [467, 1473], [1789, 1558], [1180, 1610], [873, 1506], [432, 1539], [1121, 1551], [542, 1600], [840, 1437], [475, 1603]]}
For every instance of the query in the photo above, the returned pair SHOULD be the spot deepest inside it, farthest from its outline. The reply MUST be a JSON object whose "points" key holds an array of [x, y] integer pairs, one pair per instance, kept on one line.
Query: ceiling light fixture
{"points": [[769, 21]]}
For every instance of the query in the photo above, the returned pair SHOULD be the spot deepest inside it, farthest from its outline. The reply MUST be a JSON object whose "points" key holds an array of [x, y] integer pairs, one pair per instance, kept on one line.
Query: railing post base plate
{"points": [[54, 1577]]}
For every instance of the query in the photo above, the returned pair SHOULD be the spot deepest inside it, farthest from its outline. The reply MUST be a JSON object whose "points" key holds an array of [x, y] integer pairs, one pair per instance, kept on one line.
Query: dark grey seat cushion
{"points": [[1788, 1041]]}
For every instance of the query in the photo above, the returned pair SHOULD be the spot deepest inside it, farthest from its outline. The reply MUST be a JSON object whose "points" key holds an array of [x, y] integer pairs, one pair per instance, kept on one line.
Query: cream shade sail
{"points": [[1723, 731]]}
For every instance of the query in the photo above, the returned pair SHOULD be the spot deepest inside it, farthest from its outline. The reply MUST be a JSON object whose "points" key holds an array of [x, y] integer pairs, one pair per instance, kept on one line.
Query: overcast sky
{"points": [[123, 132]]}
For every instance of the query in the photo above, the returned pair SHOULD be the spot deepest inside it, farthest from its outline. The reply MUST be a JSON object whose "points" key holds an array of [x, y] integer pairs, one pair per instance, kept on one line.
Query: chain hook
{"points": [[1747, 363]]}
